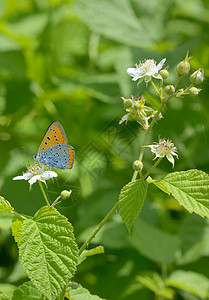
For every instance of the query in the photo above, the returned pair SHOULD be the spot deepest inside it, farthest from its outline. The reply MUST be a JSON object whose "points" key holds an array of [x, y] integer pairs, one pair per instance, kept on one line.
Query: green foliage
{"points": [[80, 293], [92, 252], [5, 205], [192, 282], [155, 244], [27, 291], [191, 189], [17, 229], [48, 251], [67, 61], [131, 200]]}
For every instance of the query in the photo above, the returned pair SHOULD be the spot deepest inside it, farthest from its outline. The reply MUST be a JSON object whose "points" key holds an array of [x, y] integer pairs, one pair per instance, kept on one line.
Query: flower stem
{"points": [[155, 88], [55, 201], [43, 192], [153, 167], [101, 224], [147, 136]]}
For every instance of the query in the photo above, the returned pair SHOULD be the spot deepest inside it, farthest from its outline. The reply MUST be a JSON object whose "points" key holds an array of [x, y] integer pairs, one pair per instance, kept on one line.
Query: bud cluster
{"points": [[137, 111]]}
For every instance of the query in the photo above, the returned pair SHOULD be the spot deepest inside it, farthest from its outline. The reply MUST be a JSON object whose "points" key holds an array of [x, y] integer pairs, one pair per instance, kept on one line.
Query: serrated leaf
{"points": [[160, 185], [192, 282], [191, 189], [6, 290], [156, 284], [153, 243], [87, 253], [81, 294], [5, 205], [131, 200], [17, 228], [48, 251], [5, 219], [27, 291]]}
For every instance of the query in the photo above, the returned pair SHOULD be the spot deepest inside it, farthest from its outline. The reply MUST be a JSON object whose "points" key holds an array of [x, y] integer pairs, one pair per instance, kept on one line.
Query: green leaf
{"points": [[190, 189], [6, 290], [119, 21], [131, 200], [17, 228], [153, 243], [86, 253], [5, 219], [48, 251], [156, 284], [160, 185], [192, 282], [27, 291], [194, 232], [5, 205], [80, 294]]}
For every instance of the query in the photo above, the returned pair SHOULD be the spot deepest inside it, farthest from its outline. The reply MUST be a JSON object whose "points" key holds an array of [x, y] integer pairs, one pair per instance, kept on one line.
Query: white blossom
{"points": [[35, 173], [146, 70], [164, 148]]}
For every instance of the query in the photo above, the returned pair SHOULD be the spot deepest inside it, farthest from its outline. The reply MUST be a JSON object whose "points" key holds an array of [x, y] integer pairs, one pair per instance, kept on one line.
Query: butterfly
{"points": [[54, 150]]}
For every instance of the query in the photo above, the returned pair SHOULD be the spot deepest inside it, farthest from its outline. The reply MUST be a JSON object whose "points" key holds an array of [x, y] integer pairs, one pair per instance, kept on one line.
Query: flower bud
{"points": [[137, 165], [169, 89], [183, 67], [197, 77], [193, 91], [164, 73], [65, 194], [137, 105], [127, 103]]}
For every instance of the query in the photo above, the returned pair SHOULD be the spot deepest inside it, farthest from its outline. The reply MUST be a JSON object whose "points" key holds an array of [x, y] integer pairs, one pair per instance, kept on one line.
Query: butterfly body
{"points": [[54, 150]]}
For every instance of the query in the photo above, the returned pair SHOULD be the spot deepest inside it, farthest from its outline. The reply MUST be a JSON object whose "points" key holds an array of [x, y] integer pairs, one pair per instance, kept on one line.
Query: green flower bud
{"points": [[127, 103], [183, 67], [197, 77], [164, 73], [137, 105], [137, 165], [65, 194], [169, 89], [193, 91]]}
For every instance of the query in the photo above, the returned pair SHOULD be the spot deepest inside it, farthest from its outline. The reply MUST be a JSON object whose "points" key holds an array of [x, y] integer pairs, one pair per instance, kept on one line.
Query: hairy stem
{"points": [[101, 224]]}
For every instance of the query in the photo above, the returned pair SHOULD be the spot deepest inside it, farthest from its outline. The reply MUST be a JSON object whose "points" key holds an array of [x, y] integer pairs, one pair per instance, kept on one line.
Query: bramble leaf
{"points": [[5, 205], [131, 200], [80, 294], [48, 251], [17, 228], [193, 282], [91, 252], [191, 189], [27, 291]]}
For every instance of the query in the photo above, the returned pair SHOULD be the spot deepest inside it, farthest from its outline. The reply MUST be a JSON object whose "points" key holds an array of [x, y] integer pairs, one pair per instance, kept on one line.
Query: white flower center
{"points": [[148, 67], [166, 146]]}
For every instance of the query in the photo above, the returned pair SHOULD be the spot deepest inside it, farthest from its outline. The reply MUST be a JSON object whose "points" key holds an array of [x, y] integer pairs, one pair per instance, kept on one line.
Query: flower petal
{"points": [[161, 63], [124, 118], [170, 158], [34, 179], [49, 174]]}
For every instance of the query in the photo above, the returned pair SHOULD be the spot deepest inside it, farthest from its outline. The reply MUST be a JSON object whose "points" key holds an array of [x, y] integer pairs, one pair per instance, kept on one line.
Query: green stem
{"points": [[101, 224], [19, 216], [155, 88], [153, 167], [55, 201], [43, 192], [147, 136]]}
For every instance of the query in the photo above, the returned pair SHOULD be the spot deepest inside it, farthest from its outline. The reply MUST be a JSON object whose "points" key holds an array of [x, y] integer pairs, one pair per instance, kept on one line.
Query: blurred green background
{"points": [[67, 61]]}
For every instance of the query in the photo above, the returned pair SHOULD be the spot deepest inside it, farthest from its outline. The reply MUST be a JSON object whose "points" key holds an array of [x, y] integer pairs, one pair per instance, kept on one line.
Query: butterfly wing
{"points": [[54, 135], [60, 156]]}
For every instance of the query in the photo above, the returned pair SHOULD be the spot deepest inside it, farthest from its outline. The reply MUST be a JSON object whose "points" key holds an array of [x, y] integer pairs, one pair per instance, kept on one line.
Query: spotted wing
{"points": [[54, 135], [60, 156]]}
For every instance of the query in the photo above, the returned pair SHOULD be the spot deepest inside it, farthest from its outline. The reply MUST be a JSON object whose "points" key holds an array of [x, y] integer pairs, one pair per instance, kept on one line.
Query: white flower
{"points": [[146, 70], [35, 173], [164, 148]]}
